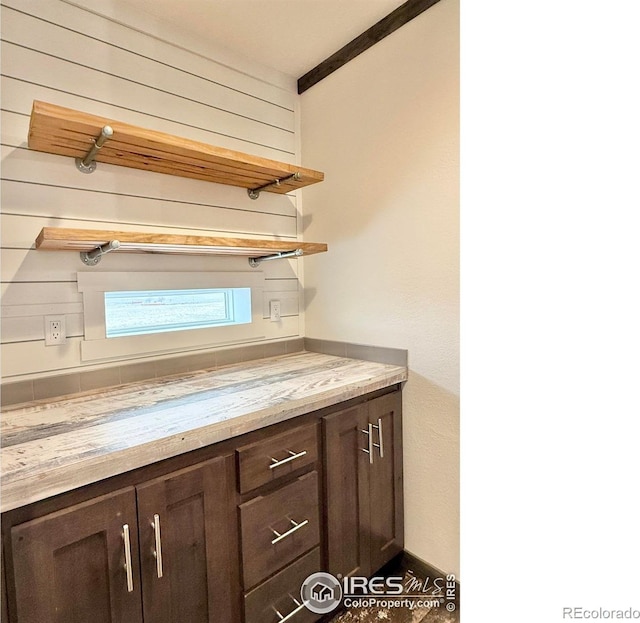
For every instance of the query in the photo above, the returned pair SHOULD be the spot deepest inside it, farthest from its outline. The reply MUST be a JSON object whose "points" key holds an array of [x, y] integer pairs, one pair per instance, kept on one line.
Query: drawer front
{"points": [[272, 458], [278, 528], [277, 593]]}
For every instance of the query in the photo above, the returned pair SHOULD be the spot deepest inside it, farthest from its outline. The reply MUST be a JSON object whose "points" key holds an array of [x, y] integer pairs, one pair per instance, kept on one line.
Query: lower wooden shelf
{"points": [[87, 240]]}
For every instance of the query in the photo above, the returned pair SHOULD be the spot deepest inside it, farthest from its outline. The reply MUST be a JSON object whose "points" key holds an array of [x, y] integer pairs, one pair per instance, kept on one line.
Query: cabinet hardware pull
{"points": [[291, 614], [276, 463], [371, 444], [296, 526], [380, 447], [127, 557], [158, 552]]}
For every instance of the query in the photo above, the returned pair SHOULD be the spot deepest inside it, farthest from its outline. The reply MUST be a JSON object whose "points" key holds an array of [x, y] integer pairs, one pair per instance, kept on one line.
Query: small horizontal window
{"points": [[140, 313], [157, 311]]}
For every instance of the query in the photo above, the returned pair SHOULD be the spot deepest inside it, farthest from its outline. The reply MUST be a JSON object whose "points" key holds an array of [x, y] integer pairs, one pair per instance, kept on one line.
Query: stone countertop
{"points": [[52, 447]]}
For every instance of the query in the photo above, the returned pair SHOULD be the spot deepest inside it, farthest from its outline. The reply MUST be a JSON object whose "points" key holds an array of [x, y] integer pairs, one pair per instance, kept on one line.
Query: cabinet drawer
{"points": [[272, 458], [278, 528], [261, 603]]}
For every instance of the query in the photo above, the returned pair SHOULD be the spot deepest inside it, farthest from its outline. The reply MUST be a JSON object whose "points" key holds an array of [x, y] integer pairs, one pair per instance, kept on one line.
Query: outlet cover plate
{"points": [[55, 330], [274, 311]]}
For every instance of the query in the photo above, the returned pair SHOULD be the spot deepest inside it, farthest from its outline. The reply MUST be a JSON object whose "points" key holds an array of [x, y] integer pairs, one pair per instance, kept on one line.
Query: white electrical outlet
{"points": [[55, 330], [274, 310]]}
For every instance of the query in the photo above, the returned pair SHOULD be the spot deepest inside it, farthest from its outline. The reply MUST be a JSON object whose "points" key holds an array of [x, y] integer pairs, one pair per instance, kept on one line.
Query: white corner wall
{"points": [[385, 129]]}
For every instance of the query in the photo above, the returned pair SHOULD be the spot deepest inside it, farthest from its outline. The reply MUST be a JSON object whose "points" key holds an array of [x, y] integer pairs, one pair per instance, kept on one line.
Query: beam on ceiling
{"points": [[403, 14]]}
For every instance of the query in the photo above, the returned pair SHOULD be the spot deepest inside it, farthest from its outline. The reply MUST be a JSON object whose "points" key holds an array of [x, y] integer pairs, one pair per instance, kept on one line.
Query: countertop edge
{"points": [[22, 492]]}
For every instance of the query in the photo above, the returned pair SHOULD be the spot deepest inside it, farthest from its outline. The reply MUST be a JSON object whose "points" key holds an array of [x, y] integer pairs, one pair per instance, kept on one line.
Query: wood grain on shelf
{"points": [[68, 132], [64, 239]]}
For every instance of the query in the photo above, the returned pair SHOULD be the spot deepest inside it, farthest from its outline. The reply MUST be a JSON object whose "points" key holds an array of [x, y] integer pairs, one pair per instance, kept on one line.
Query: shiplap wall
{"points": [[60, 53]]}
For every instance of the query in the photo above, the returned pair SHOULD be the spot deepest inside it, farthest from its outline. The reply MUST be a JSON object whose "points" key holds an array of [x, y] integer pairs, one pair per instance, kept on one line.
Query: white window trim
{"points": [[96, 346]]}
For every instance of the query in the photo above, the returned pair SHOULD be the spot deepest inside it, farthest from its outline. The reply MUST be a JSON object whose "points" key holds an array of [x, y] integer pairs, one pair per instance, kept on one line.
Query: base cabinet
{"points": [[280, 526], [363, 475], [188, 545], [4, 612], [225, 540], [70, 566], [162, 552]]}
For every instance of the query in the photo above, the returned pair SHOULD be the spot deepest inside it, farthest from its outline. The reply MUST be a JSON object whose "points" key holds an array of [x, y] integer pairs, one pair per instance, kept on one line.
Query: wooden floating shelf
{"points": [[86, 240], [57, 130]]}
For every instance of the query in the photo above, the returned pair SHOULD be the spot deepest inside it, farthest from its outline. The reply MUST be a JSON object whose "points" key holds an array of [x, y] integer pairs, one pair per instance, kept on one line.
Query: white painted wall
{"points": [[139, 72], [385, 129]]}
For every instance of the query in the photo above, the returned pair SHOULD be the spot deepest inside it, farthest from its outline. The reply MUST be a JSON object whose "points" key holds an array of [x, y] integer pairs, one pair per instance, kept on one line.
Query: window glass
{"points": [[156, 311]]}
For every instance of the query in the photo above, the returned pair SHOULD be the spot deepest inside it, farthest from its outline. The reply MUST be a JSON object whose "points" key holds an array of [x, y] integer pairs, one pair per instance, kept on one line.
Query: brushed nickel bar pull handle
{"points": [[380, 447], [293, 456], [292, 613], [127, 557], [296, 526], [371, 444], [158, 553]]}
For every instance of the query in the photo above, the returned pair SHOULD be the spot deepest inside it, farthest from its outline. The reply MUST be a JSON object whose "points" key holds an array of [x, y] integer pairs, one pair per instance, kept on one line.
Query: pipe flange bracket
{"points": [[89, 261], [91, 258], [86, 168], [254, 193]]}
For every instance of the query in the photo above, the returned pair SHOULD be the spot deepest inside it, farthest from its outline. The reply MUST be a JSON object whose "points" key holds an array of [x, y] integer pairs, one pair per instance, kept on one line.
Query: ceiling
{"points": [[292, 36]]}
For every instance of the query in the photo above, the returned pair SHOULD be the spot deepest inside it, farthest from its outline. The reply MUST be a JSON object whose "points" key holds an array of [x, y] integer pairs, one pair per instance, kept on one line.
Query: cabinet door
{"points": [[4, 612], [70, 566], [347, 492], [385, 484], [189, 546]]}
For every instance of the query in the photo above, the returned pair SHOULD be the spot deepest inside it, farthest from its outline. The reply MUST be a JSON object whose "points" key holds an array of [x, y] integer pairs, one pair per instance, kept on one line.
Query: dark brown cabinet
{"points": [[227, 534], [363, 475], [276, 457], [279, 597], [188, 545], [80, 564], [4, 612], [280, 527], [84, 564]]}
